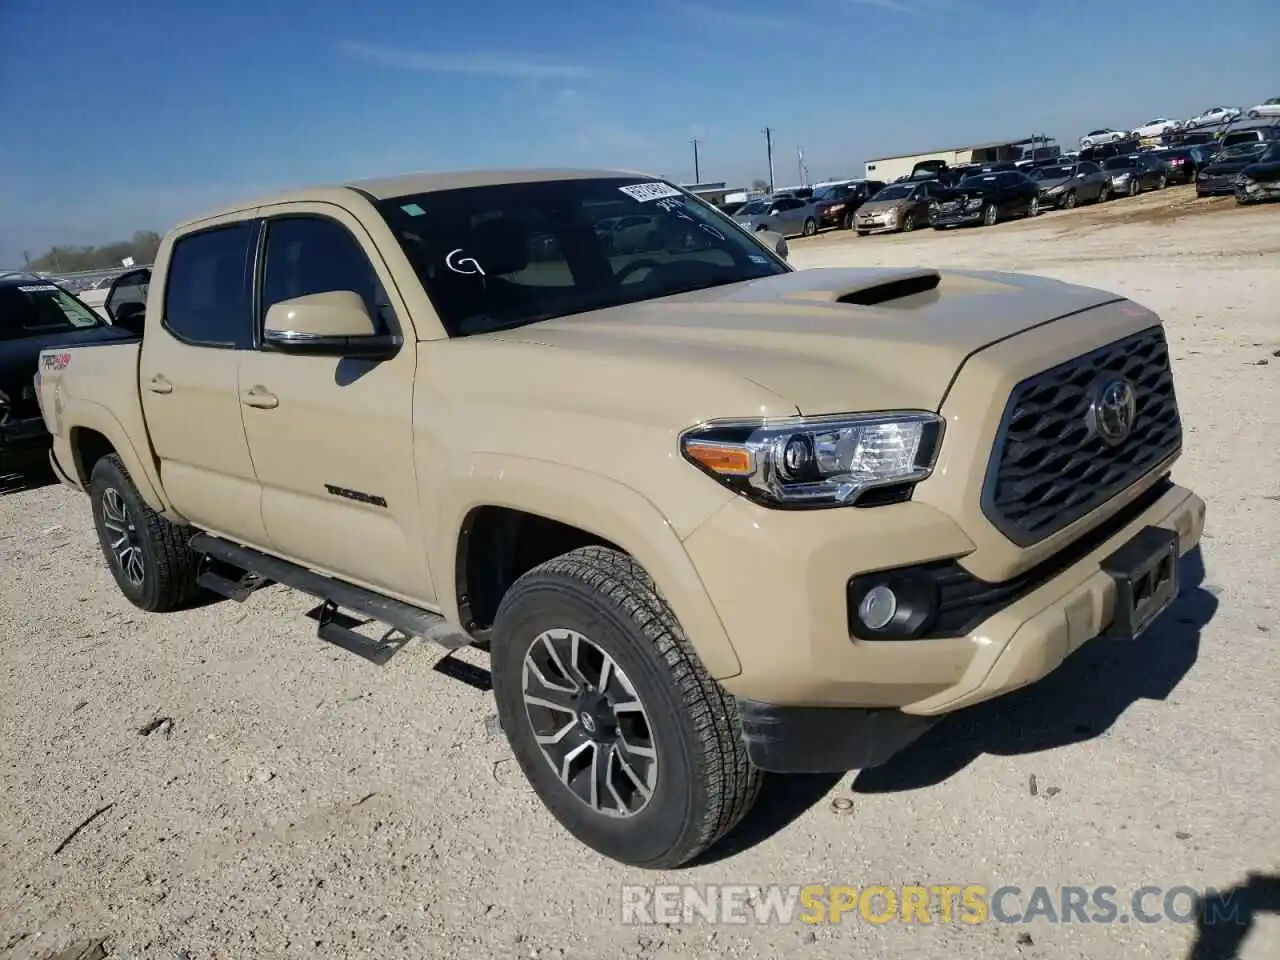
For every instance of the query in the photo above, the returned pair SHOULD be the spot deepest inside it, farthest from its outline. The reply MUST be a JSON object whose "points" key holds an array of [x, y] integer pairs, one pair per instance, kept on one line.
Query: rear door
{"points": [[332, 438], [188, 376]]}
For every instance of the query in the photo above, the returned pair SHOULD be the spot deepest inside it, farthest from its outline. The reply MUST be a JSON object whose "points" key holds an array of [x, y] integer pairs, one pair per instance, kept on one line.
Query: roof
{"points": [[973, 146], [385, 188]]}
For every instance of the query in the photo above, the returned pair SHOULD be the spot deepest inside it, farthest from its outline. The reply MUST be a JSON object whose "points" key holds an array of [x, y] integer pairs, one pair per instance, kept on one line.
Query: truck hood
{"points": [[826, 340]]}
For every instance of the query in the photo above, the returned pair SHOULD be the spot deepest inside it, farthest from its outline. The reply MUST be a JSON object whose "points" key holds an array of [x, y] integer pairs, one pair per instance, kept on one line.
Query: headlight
{"points": [[1058, 189], [973, 203], [805, 462], [1120, 176], [835, 208]]}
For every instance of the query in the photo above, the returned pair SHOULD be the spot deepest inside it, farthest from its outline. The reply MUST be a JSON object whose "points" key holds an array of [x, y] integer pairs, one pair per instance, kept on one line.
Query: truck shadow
{"points": [[1077, 702], [1225, 918]]}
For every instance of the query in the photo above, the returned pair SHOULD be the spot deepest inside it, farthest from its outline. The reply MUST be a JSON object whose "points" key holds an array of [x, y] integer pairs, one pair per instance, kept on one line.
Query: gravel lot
{"points": [[299, 802]]}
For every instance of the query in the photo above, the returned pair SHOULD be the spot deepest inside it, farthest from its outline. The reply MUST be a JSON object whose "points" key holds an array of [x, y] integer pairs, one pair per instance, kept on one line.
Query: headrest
{"points": [[500, 246]]}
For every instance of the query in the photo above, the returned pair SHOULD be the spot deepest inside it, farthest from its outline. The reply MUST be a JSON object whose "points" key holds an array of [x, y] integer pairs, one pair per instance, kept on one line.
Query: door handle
{"points": [[260, 397], [159, 384]]}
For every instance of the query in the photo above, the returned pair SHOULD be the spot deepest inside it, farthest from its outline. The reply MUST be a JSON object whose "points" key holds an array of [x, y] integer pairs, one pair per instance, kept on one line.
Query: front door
{"points": [[332, 438], [203, 319]]}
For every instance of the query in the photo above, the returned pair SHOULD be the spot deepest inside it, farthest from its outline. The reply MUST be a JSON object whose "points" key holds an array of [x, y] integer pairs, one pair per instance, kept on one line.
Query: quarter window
{"points": [[207, 300]]}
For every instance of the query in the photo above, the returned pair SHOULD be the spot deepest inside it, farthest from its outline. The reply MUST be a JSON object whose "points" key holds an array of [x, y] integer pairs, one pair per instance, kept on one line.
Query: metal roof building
{"points": [[996, 151]]}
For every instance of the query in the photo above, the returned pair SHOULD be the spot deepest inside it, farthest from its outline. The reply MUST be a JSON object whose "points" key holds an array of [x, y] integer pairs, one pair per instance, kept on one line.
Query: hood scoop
{"points": [[883, 291]]}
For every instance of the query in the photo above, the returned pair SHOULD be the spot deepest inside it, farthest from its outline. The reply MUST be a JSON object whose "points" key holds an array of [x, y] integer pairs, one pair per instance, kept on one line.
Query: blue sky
{"points": [[131, 117]]}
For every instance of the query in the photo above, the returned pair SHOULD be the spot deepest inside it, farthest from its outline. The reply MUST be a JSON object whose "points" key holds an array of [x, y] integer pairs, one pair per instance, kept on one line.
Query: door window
{"points": [[308, 255], [207, 299]]}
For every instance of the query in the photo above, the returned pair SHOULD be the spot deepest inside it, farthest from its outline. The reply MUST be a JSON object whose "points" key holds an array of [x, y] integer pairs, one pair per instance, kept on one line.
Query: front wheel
{"points": [[990, 214], [1069, 201], [616, 725], [846, 222], [147, 554], [1253, 114], [908, 223], [810, 227], [1033, 208], [1104, 194]]}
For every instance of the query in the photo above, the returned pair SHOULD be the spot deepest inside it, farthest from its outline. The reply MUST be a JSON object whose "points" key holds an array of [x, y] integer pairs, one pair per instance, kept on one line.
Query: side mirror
{"points": [[774, 241], [335, 324]]}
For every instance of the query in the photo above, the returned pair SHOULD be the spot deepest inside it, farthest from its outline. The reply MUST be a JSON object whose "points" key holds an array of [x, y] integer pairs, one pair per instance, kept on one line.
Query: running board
{"points": [[256, 569]]}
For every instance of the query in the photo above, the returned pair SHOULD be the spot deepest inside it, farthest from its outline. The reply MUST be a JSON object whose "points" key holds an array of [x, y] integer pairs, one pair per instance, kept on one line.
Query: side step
{"points": [[235, 571]]}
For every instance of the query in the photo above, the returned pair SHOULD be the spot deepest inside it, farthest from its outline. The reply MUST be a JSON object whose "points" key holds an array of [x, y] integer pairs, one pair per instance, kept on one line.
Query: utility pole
{"points": [[697, 173], [768, 145]]}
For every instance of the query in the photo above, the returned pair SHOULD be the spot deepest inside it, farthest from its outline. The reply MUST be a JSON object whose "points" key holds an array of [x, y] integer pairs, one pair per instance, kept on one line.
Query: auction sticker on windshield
{"points": [[645, 192]]}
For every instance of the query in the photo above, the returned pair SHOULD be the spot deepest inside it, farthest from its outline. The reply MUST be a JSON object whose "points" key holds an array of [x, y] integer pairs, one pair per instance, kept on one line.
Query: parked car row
{"points": [[1162, 127]]}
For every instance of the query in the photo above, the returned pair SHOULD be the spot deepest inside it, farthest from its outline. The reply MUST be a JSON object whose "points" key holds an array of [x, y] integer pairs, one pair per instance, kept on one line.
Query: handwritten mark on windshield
{"points": [[467, 266]]}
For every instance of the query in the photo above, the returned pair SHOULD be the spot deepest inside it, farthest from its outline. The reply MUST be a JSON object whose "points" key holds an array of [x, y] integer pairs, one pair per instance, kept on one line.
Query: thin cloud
{"points": [[718, 17], [491, 64], [892, 6]]}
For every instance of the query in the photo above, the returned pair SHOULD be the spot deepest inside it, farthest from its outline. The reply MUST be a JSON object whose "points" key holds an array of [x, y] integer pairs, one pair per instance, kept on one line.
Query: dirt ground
{"points": [[292, 800]]}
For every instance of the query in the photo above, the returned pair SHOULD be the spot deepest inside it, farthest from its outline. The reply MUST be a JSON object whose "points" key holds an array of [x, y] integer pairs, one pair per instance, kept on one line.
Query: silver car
{"points": [[787, 216]]}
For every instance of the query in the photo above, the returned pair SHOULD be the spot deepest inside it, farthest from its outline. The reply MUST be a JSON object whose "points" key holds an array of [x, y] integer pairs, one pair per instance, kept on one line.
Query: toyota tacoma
{"points": [[710, 515]]}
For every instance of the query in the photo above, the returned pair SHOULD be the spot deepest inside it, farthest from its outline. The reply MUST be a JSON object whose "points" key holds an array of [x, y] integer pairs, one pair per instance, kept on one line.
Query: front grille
{"points": [[1049, 467]]}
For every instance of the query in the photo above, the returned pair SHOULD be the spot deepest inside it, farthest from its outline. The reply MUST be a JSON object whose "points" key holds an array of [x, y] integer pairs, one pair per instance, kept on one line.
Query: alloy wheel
{"points": [[589, 723], [125, 543]]}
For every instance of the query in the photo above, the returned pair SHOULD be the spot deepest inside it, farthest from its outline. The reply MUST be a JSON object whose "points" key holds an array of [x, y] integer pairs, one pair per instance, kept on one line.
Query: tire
{"points": [[603, 604], [990, 215], [862, 233], [1069, 201], [1033, 208], [1134, 189], [154, 569], [846, 222], [1253, 114], [1104, 195], [909, 222], [1162, 182], [810, 228]]}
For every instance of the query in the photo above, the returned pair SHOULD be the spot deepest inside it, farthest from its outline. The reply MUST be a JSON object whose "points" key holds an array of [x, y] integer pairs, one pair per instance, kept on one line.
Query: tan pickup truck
{"points": [[710, 515]]}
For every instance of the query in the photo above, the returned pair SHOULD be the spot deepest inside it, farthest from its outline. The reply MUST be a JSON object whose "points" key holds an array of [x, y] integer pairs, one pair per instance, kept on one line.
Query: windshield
{"points": [[502, 256], [1119, 163], [897, 192], [753, 208], [1050, 173], [33, 309], [1243, 149], [1272, 154]]}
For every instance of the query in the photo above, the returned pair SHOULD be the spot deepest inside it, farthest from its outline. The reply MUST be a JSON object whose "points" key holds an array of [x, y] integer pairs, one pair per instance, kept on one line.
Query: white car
{"points": [[1267, 108], [1214, 115], [1156, 128], [1095, 138]]}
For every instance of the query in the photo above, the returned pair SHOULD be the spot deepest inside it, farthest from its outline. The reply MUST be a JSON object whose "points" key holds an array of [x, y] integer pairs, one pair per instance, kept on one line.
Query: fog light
{"points": [[878, 607]]}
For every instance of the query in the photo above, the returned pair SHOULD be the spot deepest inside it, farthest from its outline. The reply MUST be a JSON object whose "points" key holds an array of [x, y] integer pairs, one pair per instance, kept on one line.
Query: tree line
{"points": [[142, 247]]}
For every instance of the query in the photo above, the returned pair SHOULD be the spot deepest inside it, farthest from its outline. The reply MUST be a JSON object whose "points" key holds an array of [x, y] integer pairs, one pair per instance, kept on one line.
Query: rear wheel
{"points": [[862, 233], [628, 742], [147, 554], [1162, 182]]}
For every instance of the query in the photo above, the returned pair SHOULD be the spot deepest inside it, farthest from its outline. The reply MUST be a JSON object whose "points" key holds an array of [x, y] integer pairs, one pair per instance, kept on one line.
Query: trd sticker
{"points": [[55, 361]]}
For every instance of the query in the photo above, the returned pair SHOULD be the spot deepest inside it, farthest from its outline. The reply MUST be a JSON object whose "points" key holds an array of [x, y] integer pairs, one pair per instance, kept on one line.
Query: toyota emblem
{"points": [[1114, 410]]}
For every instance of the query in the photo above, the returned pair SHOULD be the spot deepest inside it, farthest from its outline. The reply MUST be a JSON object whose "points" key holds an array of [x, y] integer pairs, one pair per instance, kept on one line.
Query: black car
{"points": [[1063, 185], [1260, 180], [1129, 175], [36, 315], [840, 201], [1105, 151], [986, 198], [1219, 177], [1183, 163]]}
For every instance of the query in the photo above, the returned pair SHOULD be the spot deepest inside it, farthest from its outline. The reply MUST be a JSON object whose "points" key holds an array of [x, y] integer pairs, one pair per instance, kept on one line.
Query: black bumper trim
{"points": [[825, 739]]}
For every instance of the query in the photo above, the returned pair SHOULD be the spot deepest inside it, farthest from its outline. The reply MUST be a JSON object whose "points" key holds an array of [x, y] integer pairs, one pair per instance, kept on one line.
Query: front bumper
{"points": [[955, 218], [1254, 190], [779, 581], [24, 434], [878, 225], [1216, 186]]}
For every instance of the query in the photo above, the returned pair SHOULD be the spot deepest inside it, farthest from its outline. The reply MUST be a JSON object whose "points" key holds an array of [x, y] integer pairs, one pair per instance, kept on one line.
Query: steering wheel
{"points": [[635, 265]]}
